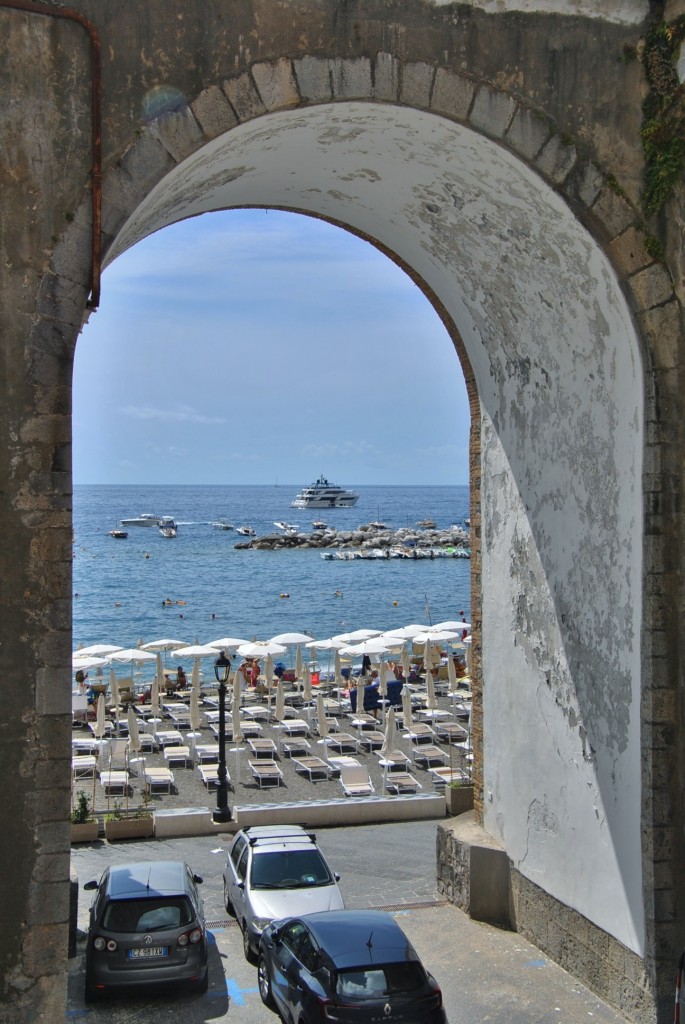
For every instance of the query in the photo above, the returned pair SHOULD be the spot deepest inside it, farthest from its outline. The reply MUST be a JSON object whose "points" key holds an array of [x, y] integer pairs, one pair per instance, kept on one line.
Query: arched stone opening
{"points": [[550, 349]]}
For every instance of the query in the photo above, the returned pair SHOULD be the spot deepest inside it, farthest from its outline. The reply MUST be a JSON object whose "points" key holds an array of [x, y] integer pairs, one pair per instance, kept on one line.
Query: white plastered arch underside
{"points": [[557, 367]]}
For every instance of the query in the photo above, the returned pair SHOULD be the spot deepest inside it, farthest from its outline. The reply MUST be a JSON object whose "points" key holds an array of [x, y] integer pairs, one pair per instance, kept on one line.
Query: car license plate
{"points": [[147, 952]]}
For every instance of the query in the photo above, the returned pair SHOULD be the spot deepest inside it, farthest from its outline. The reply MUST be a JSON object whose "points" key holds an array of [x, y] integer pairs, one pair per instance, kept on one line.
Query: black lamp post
{"points": [[222, 813]]}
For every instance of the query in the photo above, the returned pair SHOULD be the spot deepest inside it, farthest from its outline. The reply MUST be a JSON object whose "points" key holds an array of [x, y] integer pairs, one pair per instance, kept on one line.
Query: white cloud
{"points": [[181, 413]]}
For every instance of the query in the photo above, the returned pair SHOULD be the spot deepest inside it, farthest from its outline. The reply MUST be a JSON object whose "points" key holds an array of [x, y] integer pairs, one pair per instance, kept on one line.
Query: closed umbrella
{"points": [[388, 746], [235, 725], [114, 690], [361, 686], [195, 715], [323, 724], [427, 656], [307, 690], [337, 668], [405, 662], [431, 702], [133, 738], [155, 704], [279, 710], [406, 708], [195, 675], [298, 663], [100, 722], [383, 686]]}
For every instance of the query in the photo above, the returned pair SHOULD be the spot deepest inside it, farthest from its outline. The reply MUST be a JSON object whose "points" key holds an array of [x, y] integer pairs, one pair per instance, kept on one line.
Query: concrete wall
{"points": [[497, 157]]}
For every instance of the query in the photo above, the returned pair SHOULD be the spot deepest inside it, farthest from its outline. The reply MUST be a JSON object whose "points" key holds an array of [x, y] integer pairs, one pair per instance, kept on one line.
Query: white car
{"points": [[276, 871]]}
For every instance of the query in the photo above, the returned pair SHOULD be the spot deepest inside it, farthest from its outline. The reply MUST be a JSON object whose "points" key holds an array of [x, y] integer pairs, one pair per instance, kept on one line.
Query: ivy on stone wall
{"points": [[663, 114]]}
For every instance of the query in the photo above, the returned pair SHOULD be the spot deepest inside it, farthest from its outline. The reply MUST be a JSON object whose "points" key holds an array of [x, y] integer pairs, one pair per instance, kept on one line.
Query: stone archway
{"points": [[479, 188], [553, 355]]}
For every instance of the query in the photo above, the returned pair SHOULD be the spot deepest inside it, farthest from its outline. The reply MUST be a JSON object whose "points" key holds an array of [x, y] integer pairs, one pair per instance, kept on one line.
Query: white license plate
{"points": [[146, 952]]}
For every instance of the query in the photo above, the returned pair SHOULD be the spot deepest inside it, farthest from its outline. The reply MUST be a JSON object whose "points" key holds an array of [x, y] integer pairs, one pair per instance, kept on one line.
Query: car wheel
{"points": [[250, 955], [227, 902], [264, 982]]}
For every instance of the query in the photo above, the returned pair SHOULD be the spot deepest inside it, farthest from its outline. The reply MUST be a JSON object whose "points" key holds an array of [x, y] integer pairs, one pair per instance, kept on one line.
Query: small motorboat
{"points": [[221, 524], [146, 519], [245, 531], [286, 527], [427, 524], [118, 534], [319, 524], [167, 526]]}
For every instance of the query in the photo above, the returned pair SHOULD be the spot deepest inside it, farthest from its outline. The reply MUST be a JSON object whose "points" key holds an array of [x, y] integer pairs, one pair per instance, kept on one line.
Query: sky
{"points": [[261, 347]]}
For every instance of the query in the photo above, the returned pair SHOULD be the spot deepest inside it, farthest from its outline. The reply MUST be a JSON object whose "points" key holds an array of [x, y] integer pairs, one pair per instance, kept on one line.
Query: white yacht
{"points": [[323, 494], [146, 519], [167, 526]]}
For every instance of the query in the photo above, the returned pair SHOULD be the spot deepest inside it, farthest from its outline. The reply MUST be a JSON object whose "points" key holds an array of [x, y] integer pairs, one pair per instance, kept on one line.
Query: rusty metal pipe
{"points": [[34, 7]]}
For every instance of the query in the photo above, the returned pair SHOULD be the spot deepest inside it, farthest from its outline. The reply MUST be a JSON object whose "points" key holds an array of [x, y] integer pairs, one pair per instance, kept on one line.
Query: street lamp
{"points": [[222, 813]]}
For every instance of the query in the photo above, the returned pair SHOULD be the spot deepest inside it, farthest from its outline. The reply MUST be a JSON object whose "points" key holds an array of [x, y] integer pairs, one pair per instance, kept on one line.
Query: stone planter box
{"points": [[85, 832], [129, 828], [458, 799]]}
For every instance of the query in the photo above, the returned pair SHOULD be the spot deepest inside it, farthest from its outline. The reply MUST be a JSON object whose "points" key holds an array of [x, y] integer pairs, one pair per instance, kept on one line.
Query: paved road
{"points": [[485, 974]]}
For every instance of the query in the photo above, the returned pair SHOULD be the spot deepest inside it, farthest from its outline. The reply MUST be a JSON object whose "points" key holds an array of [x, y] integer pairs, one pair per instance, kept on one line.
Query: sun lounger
{"points": [[442, 776], [207, 753], [262, 748], [342, 741], [314, 767], [296, 745], [355, 780], [209, 773], [294, 726], [158, 778], [83, 767], [177, 755], [372, 739], [110, 780], [451, 732], [340, 762], [169, 738], [393, 760], [427, 755], [266, 773], [401, 782], [419, 732]]}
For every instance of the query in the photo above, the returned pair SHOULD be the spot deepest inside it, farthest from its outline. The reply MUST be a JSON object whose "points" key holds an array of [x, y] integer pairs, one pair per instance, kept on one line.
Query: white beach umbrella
{"points": [[291, 639], [96, 650], [227, 643], [135, 655], [452, 624], [436, 636], [163, 645], [431, 702], [85, 664], [357, 635], [370, 646], [260, 649], [331, 644], [195, 651], [409, 632], [406, 708]]}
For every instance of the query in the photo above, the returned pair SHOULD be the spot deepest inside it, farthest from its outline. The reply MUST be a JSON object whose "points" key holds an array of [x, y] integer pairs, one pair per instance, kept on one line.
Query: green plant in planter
{"points": [[144, 807], [81, 811], [115, 814]]}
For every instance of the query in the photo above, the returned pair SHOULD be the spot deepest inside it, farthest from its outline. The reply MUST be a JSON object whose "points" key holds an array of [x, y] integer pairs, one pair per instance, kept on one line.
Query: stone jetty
{"points": [[366, 537]]}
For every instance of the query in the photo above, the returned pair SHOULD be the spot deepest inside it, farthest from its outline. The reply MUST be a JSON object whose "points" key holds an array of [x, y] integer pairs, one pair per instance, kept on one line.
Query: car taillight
{"points": [[109, 944], [192, 937], [328, 1008]]}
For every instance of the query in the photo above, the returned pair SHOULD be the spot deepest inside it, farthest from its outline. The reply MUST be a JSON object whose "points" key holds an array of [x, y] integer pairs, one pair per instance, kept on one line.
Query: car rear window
{"points": [[380, 980], [148, 915], [289, 869]]}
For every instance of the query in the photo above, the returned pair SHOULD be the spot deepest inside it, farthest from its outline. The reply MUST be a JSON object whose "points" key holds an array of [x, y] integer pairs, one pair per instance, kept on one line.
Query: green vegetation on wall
{"points": [[663, 122]]}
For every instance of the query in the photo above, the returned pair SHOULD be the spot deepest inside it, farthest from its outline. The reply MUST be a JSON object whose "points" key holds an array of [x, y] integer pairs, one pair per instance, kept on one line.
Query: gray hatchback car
{"points": [[147, 927], [275, 871]]}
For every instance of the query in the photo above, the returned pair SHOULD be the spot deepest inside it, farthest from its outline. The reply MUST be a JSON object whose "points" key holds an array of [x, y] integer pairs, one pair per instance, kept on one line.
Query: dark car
{"points": [[351, 966], [147, 927]]}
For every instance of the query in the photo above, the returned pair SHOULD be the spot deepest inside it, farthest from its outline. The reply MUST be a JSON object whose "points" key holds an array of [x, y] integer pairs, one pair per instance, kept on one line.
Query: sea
{"points": [[199, 587]]}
